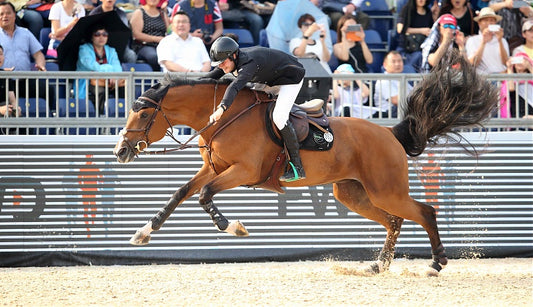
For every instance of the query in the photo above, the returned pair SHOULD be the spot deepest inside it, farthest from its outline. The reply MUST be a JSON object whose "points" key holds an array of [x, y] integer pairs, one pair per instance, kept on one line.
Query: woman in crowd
{"points": [[100, 57], [149, 25], [413, 27], [520, 63], [350, 51], [463, 13], [63, 17], [306, 45]]}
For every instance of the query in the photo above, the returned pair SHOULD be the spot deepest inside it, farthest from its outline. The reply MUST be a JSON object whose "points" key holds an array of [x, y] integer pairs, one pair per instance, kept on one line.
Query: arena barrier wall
{"points": [[64, 200]]}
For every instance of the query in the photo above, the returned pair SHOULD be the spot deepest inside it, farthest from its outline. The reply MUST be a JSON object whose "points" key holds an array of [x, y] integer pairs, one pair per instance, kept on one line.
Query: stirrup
{"points": [[295, 173]]}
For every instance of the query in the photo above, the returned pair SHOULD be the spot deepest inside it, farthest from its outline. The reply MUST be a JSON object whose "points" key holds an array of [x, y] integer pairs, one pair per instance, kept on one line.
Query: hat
{"points": [[345, 68], [525, 56], [527, 25], [447, 19], [487, 12]]}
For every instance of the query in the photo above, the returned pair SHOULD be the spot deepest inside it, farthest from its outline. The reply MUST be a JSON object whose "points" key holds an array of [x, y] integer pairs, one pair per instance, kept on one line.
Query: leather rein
{"points": [[170, 132]]}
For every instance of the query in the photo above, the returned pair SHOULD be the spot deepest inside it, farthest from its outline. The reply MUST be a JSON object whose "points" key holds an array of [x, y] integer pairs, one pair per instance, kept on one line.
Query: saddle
{"points": [[310, 124], [313, 132]]}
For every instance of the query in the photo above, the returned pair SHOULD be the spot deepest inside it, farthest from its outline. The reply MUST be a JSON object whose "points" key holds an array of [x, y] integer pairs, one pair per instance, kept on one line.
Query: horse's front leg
{"points": [[142, 236], [230, 178]]}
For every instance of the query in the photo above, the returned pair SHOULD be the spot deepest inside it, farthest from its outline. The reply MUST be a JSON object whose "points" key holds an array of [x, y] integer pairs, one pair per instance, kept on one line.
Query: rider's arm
{"points": [[246, 73], [216, 73]]}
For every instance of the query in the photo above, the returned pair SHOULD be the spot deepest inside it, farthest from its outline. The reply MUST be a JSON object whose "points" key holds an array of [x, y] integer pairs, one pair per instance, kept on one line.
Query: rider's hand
{"points": [[216, 115]]}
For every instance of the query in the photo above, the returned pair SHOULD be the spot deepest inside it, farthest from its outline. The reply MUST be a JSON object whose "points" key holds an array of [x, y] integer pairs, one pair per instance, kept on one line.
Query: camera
{"points": [[494, 28], [206, 36], [516, 60]]}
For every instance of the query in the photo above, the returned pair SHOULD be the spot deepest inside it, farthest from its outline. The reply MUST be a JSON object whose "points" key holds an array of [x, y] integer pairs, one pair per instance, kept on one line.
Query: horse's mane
{"points": [[175, 79], [158, 91]]}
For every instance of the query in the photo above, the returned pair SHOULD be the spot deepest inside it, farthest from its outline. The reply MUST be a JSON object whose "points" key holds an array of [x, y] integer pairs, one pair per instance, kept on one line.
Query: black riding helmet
{"points": [[223, 48]]}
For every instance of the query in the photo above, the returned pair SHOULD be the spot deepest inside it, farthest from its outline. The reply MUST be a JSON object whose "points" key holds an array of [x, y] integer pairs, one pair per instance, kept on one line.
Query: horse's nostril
{"points": [[122, 151]]}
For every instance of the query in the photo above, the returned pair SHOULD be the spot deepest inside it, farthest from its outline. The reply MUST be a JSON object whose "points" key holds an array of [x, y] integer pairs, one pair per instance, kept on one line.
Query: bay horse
{"points": [[367, 163]]}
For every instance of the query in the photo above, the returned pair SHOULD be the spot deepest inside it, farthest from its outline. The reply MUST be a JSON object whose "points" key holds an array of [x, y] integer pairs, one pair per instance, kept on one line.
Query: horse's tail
{"points": [[453, 95]]}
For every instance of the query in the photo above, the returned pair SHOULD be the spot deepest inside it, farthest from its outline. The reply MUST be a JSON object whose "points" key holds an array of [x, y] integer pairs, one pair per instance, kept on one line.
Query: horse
{"points": [[367, 163]]}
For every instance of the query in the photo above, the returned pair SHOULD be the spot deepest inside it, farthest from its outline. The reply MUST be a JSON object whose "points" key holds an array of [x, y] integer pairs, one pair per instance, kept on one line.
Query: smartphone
{"points": [[520, 3], [494, 28], [354, 28], [516, 60], [351, 32]]}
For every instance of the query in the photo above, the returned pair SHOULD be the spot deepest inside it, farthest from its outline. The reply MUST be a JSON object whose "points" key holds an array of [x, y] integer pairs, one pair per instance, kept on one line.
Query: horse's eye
{"points": [[144, 115]]}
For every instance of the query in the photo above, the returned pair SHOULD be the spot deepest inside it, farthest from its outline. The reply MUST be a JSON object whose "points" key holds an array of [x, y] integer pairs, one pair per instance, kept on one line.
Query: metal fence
{"points": [[55, 107]]}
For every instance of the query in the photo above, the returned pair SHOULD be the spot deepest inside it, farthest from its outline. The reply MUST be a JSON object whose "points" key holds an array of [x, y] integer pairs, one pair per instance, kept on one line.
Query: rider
{"points": [[265, 66]]}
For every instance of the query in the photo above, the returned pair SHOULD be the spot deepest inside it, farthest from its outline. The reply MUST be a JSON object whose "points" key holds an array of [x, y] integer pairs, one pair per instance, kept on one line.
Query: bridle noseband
{"points": [[146, 142]]}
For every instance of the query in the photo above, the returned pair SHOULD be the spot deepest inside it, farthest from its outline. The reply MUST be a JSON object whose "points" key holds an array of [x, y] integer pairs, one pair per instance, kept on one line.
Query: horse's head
{"points": [[147, 123]]}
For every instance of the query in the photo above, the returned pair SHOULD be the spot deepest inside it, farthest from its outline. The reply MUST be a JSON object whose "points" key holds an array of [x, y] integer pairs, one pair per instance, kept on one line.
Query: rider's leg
{"points": [[287, 96]]}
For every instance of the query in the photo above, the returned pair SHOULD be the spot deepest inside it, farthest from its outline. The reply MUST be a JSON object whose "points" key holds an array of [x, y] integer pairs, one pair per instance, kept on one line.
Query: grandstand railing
{"points": [[68, 114]]}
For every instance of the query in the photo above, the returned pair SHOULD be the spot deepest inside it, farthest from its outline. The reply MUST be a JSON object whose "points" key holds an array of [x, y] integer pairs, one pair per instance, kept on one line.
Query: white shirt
{"points": [[189, 53], [384, 90], [57, 12], [315, 49], [353, 100], [491, 61]]}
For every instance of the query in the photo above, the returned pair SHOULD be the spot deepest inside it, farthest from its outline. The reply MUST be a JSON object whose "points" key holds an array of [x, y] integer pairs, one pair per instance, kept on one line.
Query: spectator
{"points": [[355, 53], [206, 19], [100, 57], [19, 46], [180, 51], [234, 11], [511, 20], [488, 51], [415, 21], [463, 13], [350, 97], [149, 25], [521, 63], [444, 36], [34, 15], [387, 92], [63, 16], [7, 102], [308, 46], [129, 55], [335, 9], [527, 33]]}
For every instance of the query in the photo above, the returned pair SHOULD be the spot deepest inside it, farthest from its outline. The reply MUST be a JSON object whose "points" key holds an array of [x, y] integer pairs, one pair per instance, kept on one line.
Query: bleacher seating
{"points": [[140, 85], [35, 107], [116, 107], [76, 108], [44, 39], [263, 38], [245, 36], [381, 18], [377, 47]]}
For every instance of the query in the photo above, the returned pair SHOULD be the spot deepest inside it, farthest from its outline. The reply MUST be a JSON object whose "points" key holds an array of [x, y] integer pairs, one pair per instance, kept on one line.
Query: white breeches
{"points": [[287, 96]]}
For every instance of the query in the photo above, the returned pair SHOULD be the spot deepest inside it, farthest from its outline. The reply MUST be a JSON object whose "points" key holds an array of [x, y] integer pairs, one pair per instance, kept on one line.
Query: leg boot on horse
{"points": [[295, 170]]}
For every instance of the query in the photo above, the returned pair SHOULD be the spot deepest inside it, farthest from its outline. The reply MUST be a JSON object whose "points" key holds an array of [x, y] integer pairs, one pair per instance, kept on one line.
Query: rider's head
{"points": [[223, 53]]}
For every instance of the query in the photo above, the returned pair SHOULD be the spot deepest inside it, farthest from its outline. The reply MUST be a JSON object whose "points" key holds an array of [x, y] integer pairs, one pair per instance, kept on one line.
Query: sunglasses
{"points": [[307, 24], [98, 34], [449, 26]]}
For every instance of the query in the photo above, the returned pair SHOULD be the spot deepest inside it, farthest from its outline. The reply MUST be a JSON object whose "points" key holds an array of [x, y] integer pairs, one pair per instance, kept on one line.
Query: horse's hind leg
{"points": [[352, 194]]}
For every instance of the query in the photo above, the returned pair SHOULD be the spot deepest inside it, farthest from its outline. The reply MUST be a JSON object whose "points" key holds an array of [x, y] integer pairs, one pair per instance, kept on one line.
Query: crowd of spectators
{"points": [[176, 35]]}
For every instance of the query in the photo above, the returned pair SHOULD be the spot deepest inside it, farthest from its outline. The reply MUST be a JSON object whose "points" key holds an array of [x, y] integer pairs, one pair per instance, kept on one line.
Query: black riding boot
{"points": [[295, 170]]}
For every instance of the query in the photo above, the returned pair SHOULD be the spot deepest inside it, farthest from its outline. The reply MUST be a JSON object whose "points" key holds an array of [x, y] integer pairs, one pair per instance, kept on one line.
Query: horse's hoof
{"points": [[139, 238], [236, 228], [375, 268], [431, 272]]}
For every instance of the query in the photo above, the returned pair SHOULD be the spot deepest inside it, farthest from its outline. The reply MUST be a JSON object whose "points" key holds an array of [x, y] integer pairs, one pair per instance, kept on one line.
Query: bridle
{"points": [[145, 142]]}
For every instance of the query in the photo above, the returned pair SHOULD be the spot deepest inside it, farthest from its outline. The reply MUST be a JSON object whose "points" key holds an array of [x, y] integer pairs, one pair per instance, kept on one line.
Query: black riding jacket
{"points": [[260, 65]]}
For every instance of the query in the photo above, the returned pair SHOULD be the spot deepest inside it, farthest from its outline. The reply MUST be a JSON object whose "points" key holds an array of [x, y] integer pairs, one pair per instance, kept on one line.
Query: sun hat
{"points": [[485, 13], [447, 19], [527, 25]]}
